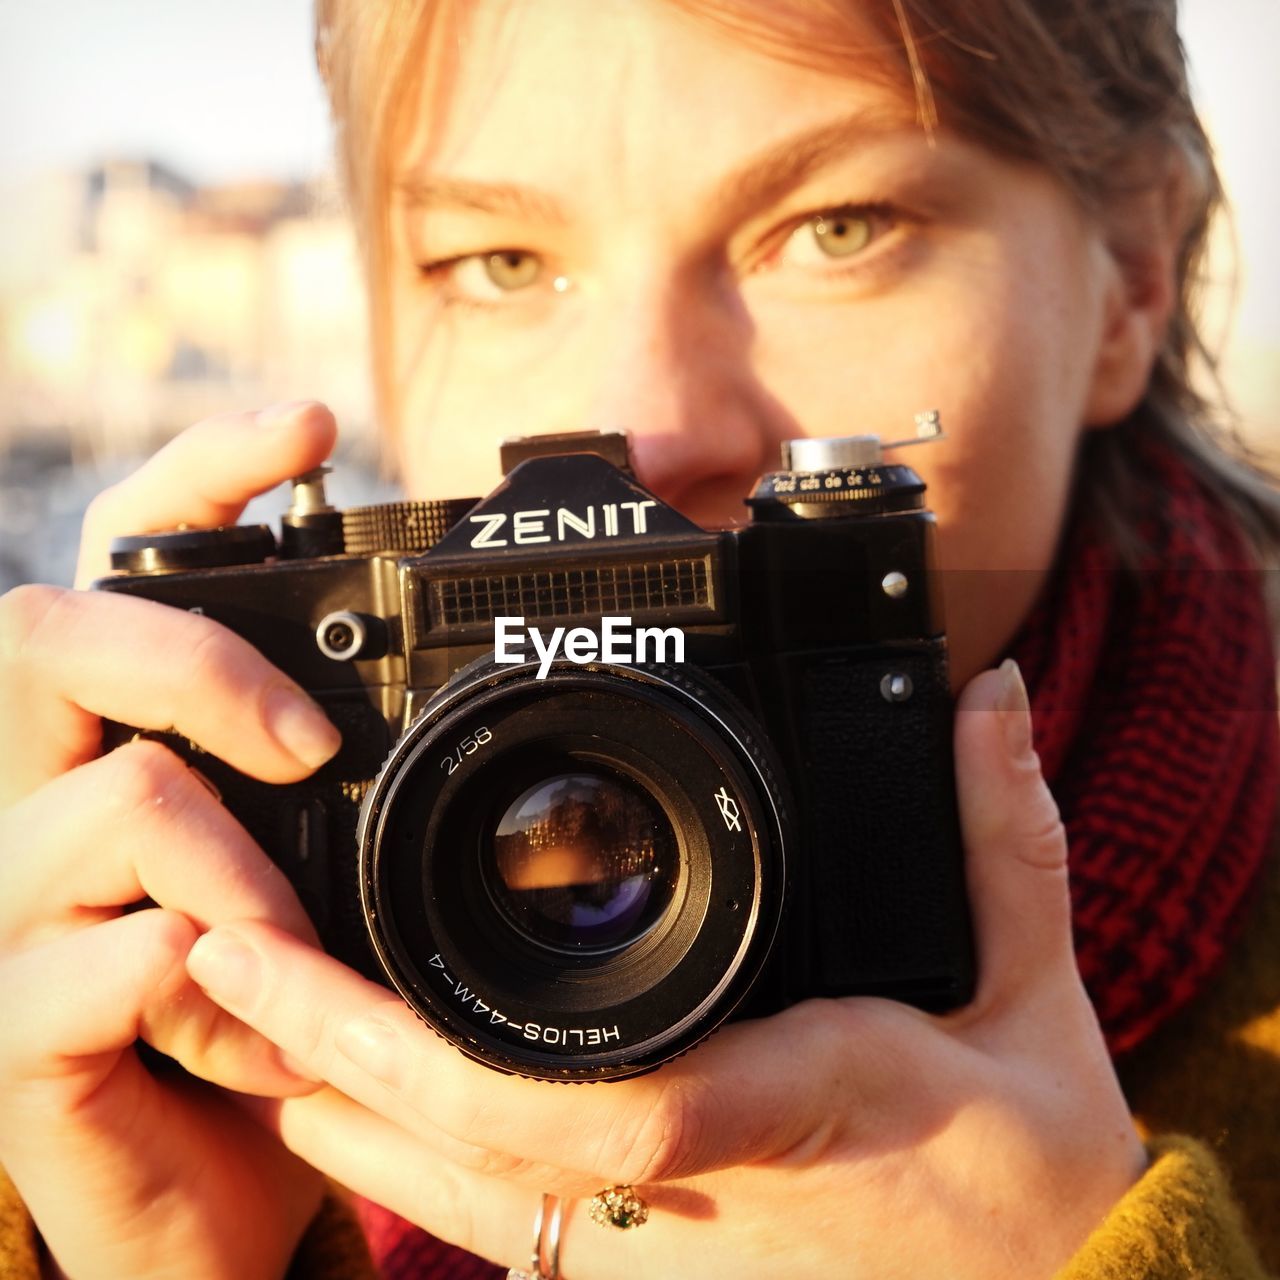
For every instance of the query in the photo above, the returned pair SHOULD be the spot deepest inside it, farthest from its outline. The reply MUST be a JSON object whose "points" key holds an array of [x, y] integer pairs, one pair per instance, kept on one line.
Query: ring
{"points": [[546, 1243], [618, 1207]]}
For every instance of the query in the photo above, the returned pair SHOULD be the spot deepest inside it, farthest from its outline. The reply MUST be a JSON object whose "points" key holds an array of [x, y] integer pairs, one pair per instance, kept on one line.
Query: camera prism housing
{"points": [[576, 869]]}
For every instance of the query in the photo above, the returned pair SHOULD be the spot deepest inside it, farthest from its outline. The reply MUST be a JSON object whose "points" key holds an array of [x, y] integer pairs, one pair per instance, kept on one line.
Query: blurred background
{"points": [[172, 243]]}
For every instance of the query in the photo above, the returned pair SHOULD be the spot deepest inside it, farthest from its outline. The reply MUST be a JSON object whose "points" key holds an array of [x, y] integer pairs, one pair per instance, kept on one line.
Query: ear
{"points": [[1142, 231]]}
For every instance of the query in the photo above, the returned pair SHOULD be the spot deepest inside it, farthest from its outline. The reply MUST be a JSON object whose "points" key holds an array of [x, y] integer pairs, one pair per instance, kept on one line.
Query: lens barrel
{"points": [[578, 877]]}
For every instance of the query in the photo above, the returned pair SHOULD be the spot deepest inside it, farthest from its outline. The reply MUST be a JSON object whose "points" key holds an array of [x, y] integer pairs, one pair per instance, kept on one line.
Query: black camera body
{"points": [[573, 866]]}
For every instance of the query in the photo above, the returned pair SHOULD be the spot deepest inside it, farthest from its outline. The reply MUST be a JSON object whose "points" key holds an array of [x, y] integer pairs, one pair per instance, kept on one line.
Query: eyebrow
{"points": [[785, 165], [763, 178], [500, 199]]}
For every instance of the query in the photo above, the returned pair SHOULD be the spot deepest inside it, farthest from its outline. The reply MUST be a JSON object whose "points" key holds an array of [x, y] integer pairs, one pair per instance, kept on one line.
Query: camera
{"points": [[718, 783]]}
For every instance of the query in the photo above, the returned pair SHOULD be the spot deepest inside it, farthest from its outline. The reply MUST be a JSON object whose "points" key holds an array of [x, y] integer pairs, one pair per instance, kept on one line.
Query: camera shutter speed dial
{"points": [[842, 475], [835, 453], [836, 491], [824, 453]]}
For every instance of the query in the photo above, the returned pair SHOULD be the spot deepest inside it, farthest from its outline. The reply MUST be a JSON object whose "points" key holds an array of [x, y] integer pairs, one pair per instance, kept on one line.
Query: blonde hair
{"points": [[1081, 87]]}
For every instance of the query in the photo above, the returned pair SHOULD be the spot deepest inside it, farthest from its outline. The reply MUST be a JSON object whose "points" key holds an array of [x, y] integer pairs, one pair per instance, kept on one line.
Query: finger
{"points": [[93, 1134], [1015, 845], [734, 1099], [135, 824], [204, 477], [488, 1216], [78, 997], [70, 657], [70, 1007], [384, 1162]]}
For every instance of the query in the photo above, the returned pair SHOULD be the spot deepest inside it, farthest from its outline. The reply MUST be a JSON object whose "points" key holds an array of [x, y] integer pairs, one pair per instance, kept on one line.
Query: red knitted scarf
{"points": [[1154, 702]]}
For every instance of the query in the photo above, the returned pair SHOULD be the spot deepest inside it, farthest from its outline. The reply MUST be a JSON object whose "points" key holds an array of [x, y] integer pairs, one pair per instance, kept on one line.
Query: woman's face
{"points": [[620, 217]]}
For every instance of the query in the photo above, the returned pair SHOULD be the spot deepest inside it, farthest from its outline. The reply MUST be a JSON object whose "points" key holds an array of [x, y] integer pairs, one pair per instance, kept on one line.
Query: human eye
{"points": [[832, 242], [492, 278]]}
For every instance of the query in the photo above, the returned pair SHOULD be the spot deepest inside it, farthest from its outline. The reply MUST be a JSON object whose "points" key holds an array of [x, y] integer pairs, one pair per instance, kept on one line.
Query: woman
{"points": [[719, 227]]}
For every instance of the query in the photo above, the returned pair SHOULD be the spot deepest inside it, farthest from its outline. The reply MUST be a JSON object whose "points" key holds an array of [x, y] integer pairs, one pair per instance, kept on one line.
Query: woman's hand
{"points": [[849, 1137], [126, 1172]]}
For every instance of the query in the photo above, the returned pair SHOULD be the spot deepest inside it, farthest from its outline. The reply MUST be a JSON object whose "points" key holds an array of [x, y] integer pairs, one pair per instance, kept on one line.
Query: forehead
{"points": [[551, 89]]}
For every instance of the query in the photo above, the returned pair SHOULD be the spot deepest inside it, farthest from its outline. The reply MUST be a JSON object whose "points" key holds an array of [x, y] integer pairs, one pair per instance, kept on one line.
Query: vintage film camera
{"points": [[579, 877]]}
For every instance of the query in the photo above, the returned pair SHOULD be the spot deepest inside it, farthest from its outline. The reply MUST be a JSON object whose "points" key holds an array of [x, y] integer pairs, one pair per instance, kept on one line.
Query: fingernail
{"points": [[223, 966], [374, 1047], [276, 415], [299, 726], [1015, 710]]}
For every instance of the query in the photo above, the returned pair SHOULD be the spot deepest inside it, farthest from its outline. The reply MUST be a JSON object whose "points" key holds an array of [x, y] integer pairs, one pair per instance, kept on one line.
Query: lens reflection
{"points": [[582, 861]]}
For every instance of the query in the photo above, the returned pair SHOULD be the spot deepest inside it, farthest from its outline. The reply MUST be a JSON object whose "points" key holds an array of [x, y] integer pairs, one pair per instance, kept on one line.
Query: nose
{"points": [[675, 371]]}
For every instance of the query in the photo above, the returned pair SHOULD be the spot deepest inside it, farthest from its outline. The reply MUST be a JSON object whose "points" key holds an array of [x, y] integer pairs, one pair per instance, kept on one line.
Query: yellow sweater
{"points": [[1213, 1073]]}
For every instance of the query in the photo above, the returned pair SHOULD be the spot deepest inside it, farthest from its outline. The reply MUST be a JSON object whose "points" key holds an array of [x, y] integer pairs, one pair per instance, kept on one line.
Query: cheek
{"points": [[996, 350], [458, 400], [1019, 363], [440, 450], [455, 415], [1001, 346]]}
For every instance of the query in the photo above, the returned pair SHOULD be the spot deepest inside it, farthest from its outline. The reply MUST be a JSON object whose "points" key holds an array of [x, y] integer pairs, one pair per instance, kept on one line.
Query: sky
{"points": [[240, 95], [80, 79]]}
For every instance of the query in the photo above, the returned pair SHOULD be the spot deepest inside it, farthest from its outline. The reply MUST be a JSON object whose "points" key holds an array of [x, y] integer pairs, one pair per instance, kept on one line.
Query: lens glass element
{"points": [[581, 861]]}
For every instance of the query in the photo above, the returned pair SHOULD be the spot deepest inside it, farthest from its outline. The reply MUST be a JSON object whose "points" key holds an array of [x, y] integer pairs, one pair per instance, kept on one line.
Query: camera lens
{"points": [[576, 877], [581, 862]]}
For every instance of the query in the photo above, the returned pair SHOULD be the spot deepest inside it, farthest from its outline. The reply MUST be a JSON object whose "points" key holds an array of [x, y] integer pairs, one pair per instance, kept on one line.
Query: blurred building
{"points": [[133, 303]]}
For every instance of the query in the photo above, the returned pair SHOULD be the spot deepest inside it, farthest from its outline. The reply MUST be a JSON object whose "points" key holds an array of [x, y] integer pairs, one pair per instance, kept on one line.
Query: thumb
{"points": [[1015, 845], [205, 476]]}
